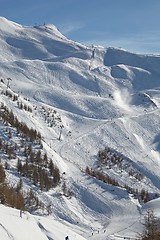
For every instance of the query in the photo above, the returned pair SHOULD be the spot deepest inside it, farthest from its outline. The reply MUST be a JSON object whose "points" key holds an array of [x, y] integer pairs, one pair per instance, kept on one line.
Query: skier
{"points": [[67, 238]]}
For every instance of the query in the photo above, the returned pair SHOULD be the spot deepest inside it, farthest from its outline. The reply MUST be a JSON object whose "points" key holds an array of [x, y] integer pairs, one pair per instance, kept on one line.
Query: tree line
{"points": [[15, 197], [142, 195]]}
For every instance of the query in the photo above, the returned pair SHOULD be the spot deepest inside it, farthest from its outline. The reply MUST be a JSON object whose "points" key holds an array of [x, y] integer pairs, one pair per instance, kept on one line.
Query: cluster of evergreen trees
{"points": [[24, 106], [111, 157], [10, 196], [142, 196], [51, 117], [15, 196], [101, 176], [32, 162], [10, 150], [36, 166], [7, 116], [41, 171], [14, 97]]}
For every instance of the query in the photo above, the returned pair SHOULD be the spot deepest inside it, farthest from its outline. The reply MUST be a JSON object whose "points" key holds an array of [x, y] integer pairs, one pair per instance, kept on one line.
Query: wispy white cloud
{"points": [[70, 27], [148, 42]]}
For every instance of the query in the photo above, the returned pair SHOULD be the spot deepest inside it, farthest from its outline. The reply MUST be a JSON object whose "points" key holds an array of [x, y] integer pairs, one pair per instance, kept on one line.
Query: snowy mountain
{"points": [[95, 108]]}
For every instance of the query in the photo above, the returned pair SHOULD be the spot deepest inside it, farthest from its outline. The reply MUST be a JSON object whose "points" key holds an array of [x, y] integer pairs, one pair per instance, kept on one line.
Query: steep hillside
{"points": [[94, 113]]}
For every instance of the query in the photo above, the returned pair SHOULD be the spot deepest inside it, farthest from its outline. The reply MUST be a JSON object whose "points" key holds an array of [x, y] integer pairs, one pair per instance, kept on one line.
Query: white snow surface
{"points": [[105, 97]]}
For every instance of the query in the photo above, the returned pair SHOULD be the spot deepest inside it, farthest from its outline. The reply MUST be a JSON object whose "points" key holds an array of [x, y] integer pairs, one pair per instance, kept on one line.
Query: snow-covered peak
{"points": [[52, 29], [37, 42], [7, 25]]}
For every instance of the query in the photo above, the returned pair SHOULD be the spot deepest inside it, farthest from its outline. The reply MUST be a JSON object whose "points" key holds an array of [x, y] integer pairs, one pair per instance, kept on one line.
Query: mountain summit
{"points": [[84, 122]]}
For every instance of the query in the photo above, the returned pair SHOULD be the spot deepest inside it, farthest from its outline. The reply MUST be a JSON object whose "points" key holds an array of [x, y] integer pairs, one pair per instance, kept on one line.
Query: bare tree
{"points": [[151, 223]]}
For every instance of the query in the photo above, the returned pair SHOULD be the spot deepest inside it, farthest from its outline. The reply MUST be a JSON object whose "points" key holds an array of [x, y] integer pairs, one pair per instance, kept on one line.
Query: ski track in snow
{"points": [[6, 231]]}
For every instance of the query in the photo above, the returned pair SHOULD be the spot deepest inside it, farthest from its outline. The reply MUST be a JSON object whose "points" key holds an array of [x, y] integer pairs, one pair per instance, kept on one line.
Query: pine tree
{"points": [[2, 174], [19, 166], [51, 167]]}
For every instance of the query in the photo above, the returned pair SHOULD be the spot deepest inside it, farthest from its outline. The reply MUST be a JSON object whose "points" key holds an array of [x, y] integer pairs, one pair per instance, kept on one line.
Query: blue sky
{"points": [[130, 24]]}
